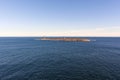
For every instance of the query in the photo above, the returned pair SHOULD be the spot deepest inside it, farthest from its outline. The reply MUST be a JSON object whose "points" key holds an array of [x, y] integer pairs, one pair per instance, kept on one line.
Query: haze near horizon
{"points": [[59, 18]]}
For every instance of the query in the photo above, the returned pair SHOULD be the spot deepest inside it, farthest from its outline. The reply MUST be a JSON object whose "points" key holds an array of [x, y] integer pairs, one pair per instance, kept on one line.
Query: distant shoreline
{"points": [[66, 39]]}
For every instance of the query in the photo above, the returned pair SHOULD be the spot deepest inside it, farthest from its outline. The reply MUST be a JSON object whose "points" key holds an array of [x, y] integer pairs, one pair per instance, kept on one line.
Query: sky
{"points": [[60, 18]]}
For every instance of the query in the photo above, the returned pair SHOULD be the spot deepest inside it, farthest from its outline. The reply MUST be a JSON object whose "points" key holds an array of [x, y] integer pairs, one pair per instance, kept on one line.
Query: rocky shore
{"points": [[67, 39]]}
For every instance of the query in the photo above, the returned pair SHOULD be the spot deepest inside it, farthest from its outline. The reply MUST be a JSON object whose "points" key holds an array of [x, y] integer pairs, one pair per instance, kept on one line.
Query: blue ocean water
{"points": [[31, 59]]}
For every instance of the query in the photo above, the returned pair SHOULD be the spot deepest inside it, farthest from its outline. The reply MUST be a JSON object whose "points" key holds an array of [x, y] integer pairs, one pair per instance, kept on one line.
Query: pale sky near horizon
{"points": [[59, 17]]}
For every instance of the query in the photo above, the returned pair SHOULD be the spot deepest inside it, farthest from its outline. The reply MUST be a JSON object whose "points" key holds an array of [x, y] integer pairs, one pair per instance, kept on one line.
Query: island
{"points": [[65, 39]]}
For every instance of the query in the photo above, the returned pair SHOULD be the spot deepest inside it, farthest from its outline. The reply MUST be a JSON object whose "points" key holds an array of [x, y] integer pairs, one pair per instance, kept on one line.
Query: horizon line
{"points": [[59, 36]]}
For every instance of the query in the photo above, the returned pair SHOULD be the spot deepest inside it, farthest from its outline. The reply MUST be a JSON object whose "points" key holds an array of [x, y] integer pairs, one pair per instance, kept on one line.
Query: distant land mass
{"points": [[65, 39]]}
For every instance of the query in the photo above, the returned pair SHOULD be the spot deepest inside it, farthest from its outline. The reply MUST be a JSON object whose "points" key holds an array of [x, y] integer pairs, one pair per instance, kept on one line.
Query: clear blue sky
{"points": [[59, 17]]}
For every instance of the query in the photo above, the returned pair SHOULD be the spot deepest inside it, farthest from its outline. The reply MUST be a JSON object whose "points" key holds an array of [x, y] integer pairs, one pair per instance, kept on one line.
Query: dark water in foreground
{"points": [[30, 59]]}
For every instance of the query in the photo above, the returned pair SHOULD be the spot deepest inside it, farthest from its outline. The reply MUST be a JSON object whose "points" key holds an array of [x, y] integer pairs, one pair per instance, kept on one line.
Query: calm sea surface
{"points": [[30, 59]]}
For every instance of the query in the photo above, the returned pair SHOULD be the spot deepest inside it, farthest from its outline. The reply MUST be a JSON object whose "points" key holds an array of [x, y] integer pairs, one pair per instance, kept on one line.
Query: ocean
{"points": [[25, 58]]}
